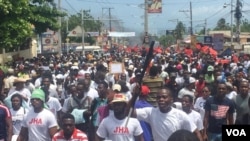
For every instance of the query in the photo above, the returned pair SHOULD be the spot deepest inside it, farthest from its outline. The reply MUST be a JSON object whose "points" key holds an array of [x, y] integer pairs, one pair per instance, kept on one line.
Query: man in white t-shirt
{"points": [[39, 124], [187, 104], [115, 128], [165, 120]]}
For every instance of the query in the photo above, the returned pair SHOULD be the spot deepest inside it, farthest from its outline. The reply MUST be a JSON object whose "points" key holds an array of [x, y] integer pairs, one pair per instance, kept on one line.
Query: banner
{"points": [[76, 32], [218, 41], [208, 40], [154, 6], [121, 34], [47, 43]]}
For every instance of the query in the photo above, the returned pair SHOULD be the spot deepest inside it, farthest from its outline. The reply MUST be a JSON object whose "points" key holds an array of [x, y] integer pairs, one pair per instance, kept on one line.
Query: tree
{"points": [[222, 25], [14, 26], [167, 40], [21, 18], [245, 26], [179, 30], [90, 24], [44, 15]]}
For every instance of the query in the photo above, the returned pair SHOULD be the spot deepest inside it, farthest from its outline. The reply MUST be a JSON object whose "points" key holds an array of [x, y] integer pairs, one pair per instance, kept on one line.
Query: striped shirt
{"points": [[4, 114], [76, 136]]}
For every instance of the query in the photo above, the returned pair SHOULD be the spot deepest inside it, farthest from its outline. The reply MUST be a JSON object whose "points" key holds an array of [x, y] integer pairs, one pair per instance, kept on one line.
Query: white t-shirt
{"points": [[199, 106], [231, 95], [92, 93], [38, 82], [17, 119], [38, 124], [115, 130], [196, 118], [54, 105], [164, 124]]}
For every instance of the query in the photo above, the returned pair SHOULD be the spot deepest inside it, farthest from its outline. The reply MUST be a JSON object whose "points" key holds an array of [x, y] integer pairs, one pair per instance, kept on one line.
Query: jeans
{"points": [[214, 136]]}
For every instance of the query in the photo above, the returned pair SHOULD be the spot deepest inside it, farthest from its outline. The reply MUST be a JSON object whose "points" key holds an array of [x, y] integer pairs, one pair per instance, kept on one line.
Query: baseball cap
{"points": [[145, 90], [210, 68], [119, 98], [191, 80], [116, 87]]}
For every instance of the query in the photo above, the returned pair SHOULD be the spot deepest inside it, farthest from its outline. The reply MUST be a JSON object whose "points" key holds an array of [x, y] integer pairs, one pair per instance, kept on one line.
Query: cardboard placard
{"points": [[116, 68]]}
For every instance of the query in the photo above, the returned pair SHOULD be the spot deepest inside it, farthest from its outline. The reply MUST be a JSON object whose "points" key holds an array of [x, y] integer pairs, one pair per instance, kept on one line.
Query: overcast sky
{"points": [[129, 14]]}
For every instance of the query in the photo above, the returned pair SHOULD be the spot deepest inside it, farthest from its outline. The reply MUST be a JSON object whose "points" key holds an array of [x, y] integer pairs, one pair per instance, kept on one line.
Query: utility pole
{"points": [[191, 19], [110, 24], [205, 27], [82, 25], [231, 23], [59, 30], [146, 16]]}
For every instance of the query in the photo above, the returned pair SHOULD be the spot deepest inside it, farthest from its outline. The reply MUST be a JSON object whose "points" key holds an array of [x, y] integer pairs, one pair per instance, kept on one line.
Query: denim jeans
{"points": [[214, 136]]}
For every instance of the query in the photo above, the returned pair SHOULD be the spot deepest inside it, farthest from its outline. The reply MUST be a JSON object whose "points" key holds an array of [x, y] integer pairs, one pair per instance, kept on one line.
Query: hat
{"points": [[145, 90], [10, 70], [191, 80], [131, 67], [22, 79], [179, 67], [38, 93], [116, 87], [210, 68], [59, 76], [119, 98], [75, 64], [74, 67]]}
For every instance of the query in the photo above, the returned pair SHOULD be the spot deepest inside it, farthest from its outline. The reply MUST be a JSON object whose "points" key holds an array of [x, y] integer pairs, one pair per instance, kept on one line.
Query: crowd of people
{"points": [[69, 97]]}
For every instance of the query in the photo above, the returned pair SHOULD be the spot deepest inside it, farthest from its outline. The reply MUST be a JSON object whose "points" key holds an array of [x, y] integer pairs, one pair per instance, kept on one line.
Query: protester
{"points": [[141, 103], [218, 111], [18, 113], [200, 101], [6, 130], [156, 117], [39, 123], [68, 131], [241, 99], [187, 106], [115, 127]]}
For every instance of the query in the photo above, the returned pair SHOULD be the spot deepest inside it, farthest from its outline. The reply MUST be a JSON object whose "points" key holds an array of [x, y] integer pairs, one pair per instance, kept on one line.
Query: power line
{"points": [[215, 13], [71, 6]]}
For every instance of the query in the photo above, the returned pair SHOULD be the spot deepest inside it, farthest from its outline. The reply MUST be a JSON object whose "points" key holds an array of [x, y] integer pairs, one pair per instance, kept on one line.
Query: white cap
{"points": [[191, 80]]}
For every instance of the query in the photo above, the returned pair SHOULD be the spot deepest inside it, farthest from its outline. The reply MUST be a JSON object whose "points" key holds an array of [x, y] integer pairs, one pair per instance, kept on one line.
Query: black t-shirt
{"points": [[218, 111]]}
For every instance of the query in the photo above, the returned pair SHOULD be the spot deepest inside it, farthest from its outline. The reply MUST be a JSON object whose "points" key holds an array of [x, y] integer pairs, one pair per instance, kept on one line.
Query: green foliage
{"points": [[167, 40], [179, 30], [21, 18], [245, 26], [90, 25], [44, 15], [14, 26], [222, 25]]}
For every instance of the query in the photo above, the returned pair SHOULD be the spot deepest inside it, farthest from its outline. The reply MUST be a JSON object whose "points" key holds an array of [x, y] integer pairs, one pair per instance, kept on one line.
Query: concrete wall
{"points": [[27, 53]]}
